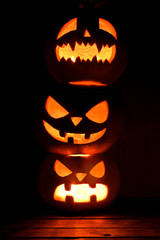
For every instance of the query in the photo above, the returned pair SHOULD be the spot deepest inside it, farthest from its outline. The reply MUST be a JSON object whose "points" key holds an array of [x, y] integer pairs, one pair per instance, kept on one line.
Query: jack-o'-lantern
{"points": [[87, 51], [78, 181], [79, 121]]}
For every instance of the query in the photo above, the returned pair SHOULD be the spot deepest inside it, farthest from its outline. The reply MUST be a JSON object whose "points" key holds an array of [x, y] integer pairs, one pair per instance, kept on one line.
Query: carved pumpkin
{"points": [[78, 181], [80, 121], [87, 51]]}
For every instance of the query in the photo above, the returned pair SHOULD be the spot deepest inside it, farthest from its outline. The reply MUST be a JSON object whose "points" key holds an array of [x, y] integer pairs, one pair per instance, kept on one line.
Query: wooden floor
{"points": [[84, 227]]}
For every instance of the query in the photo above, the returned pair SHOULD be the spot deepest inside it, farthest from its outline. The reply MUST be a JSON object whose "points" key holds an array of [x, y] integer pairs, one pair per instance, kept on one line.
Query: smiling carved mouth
{"points": [[86, 52], [81, 193], [73, 138]]}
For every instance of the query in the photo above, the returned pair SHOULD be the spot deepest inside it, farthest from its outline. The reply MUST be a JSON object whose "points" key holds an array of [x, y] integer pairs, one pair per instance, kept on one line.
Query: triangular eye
{"points": [[54, 109], [61, 169], [98, 170], [99, 113]]}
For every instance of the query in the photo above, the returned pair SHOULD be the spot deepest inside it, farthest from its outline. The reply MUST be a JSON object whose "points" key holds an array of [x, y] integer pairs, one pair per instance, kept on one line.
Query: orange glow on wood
{"points": [[78, 138], [81, 193], [99, 113], [86, 52], [61, 169], [98, 170]]}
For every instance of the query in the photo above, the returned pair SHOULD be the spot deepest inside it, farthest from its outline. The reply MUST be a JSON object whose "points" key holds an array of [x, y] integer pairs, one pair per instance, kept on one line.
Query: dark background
{"points": [[25, 29]]}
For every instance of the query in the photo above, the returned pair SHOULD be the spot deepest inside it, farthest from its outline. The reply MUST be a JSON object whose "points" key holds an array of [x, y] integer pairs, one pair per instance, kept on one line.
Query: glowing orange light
{"points": [[99, 113], [54, 109], [68, 27], [83, 51], [86, 52], [81, 193], [88, 83], [72, 26], [80, 176], [78, 138], [73, 59], [108, 27], [79, 155], [98, 170], [76, 120], [87, 34], [61, 169]]}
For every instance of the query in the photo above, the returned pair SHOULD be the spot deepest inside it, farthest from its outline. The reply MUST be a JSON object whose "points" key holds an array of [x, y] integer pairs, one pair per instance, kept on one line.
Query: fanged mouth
{"points": [[73, 138], [81, 193], [86, 52]]}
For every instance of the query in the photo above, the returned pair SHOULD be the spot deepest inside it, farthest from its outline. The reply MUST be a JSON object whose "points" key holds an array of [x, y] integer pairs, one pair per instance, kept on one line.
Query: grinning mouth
{"points": [[86, 52], [73, 138], [81, 193]]}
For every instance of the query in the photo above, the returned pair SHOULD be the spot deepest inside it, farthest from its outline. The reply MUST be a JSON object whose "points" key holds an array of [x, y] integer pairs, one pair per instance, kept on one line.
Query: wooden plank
{"points": [[84, 228], [103, 238], [87, 223], [83, 233]]}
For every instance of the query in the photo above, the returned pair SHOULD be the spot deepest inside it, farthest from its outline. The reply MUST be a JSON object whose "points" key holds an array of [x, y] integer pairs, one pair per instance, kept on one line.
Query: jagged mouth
{"points": [[81, 193], [73, 138], [86, 52]]}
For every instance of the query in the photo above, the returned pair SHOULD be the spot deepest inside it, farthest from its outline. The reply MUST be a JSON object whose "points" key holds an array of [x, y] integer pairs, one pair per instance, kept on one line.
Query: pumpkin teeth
{"points": [[78, 60], [109, 45], [93, 199], [83, 52], [86, 43], [62, 133], [70, 140], [94, 59], [87, 135], [92, 185], [73, 138], [69, 199], [81, 193], [67, 186], [72, 45], [99, 47]]}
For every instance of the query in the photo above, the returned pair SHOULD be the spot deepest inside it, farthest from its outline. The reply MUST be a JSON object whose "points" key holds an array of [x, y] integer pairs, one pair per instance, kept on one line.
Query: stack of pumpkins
{"points": [[82, 115]]}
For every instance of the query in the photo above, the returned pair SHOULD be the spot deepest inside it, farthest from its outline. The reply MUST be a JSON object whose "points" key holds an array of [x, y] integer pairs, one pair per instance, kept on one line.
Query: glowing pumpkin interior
{"points": [[97, 114], [82, 192], [86, 51]]}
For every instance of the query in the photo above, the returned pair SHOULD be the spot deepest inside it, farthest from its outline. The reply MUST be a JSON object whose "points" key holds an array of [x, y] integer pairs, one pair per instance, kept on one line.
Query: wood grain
{"points": [[84, 227]]}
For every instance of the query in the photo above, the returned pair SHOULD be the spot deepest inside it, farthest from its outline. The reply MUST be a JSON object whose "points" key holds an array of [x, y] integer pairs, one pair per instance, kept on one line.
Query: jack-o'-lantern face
{"points": [[86, 51], [97, 114], [78, 181], [87, 47], [81, 192], [79, 121]]}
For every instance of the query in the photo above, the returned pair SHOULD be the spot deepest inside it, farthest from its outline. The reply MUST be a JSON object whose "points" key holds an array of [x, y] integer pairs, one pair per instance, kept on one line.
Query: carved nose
{"points": [[80, 176], [76, 120], [86, 34]]}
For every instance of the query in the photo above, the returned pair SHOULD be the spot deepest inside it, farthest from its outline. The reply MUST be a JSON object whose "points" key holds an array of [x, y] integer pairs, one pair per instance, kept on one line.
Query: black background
{"points": [[25, 29]]}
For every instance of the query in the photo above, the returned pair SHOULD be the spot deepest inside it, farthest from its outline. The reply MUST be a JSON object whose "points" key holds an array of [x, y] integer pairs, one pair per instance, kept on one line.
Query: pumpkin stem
{"points": [[85, 4]]}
